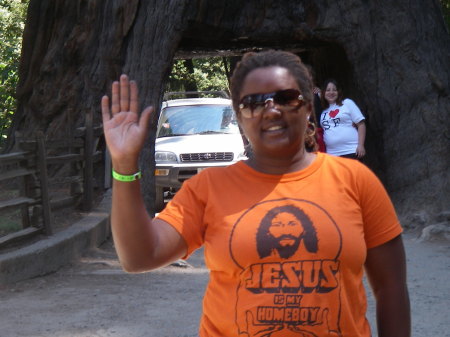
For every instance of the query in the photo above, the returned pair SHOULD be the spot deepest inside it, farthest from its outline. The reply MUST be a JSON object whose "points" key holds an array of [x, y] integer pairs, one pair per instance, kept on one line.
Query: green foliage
{"points": [[9, 225], [209, 74], [178, 76], [446, 9], [12, 22]]}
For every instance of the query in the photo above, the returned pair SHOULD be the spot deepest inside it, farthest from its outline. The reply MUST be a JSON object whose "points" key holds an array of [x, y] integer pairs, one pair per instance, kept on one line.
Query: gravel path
{"points": [[94, 298]]}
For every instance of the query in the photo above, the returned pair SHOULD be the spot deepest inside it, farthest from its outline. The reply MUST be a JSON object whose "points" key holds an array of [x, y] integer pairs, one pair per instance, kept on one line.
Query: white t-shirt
{"points": [[340, 135]]}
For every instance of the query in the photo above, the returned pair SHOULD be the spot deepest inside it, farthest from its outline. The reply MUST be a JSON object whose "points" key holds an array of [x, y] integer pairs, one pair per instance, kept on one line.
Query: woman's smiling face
{"points": [[274, 132], [331, 93]]}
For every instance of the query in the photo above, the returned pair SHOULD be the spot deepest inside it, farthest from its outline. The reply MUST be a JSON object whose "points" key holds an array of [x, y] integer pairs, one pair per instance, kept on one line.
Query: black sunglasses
{"points": [[252, 105]]}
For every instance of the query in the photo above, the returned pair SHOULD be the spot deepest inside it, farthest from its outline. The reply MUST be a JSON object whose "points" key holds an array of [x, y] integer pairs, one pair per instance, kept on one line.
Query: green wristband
{"points": [[126, 178]]}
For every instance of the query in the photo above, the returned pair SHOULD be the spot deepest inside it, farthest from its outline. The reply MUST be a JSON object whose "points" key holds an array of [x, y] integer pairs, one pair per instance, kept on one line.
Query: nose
{"points": [[266, 102], [269, 106]]}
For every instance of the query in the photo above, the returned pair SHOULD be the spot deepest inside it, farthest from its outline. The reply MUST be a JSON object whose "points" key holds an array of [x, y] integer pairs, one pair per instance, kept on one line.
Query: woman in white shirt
{"points": [[342, 122]]}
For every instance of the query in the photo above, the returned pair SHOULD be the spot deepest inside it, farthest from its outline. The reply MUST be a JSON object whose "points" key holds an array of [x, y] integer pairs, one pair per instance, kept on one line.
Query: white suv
{"points": [[193, 134]]}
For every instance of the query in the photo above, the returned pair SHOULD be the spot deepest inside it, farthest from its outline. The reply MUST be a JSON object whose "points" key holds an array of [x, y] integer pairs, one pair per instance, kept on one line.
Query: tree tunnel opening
{"points": [[328, 60]]}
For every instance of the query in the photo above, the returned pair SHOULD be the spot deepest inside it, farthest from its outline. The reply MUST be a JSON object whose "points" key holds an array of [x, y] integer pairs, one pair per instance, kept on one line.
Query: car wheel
{"points": [[159, 199]]}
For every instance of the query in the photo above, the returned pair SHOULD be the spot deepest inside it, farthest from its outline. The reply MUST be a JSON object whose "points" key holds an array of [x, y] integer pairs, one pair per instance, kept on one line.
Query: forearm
{"points": [[393, 312], [131, 226], [142, 243], [386, 271], [361, 133]]}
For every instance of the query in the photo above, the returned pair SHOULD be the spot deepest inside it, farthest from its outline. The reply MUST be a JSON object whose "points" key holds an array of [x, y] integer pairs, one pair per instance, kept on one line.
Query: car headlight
{"points": [[165, 157]]}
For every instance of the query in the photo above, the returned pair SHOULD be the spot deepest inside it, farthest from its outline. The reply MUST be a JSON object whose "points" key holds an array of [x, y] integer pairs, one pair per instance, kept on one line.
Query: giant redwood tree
{"points": [[392, 57]]}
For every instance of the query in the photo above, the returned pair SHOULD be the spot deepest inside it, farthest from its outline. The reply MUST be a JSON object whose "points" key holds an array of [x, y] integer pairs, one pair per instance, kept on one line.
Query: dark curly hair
{"points": [[270, 58]]}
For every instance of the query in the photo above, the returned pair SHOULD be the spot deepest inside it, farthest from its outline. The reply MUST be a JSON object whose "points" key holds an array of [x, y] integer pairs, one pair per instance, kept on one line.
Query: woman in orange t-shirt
{"points": [[288, 234]]}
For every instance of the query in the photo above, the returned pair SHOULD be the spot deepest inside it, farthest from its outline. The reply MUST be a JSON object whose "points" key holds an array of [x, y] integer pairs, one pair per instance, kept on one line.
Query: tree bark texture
{"points": [[391, 56]]}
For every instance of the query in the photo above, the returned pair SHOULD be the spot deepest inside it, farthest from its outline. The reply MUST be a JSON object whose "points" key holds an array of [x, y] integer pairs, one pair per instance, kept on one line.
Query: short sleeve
{"points": [[380, 219], [185, 213], [355, 112]]}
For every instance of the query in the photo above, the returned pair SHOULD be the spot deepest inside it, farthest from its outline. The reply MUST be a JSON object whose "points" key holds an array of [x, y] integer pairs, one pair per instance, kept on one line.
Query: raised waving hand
{"points": [[125, 131]]}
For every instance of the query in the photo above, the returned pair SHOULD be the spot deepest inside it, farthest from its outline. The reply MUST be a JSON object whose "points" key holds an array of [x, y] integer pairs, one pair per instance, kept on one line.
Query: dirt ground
{"points": [[95, 298]]}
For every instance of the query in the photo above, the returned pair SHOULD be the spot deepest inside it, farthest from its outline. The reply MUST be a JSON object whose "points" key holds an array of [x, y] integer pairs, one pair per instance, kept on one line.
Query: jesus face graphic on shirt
{"points": [[287, 231], [283, 229]]}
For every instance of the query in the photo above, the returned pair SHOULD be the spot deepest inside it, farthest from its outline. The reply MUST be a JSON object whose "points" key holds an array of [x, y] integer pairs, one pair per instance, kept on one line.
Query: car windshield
{"points": [[196, 119]]}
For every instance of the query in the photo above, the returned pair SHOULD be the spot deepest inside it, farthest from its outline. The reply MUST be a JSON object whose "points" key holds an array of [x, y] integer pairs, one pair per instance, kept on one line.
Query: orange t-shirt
{"points": [[285, 252]]}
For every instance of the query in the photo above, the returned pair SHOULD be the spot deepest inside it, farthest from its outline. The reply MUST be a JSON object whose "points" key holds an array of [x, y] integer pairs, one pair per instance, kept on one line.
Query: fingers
{"points": [[361, 152], [115, 92], [105, 109], [120, 95], [124, 96], [145, 117], [124, 93], [134, 93]]}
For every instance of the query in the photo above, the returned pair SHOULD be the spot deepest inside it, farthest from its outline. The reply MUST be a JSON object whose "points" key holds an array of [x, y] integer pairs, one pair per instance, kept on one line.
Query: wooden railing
{"points": [[41, 166]]}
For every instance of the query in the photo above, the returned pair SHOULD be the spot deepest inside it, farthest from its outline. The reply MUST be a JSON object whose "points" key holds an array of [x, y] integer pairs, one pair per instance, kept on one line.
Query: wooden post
{"points": [[88, 195], [73, 170], [43, 179], [25, 208]]}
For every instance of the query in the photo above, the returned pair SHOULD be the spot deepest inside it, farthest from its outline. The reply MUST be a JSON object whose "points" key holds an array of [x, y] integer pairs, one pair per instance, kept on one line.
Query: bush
{"points": [[12, 22]]}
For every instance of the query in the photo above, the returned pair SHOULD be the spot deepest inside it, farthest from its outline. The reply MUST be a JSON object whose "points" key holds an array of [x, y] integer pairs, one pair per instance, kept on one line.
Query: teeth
{"points": [[273, 128]]}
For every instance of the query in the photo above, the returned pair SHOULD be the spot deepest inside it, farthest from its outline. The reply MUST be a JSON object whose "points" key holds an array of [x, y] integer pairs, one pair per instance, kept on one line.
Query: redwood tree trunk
{"points": [[392, 56], [73, 50]]}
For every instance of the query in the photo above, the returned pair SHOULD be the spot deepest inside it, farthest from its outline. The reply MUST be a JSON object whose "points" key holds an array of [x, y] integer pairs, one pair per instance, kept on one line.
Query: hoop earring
{"points": [[312, 128]]}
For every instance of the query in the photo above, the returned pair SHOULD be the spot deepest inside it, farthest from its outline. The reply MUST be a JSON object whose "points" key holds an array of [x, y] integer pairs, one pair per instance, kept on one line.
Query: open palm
{"points": [[125, 131]]}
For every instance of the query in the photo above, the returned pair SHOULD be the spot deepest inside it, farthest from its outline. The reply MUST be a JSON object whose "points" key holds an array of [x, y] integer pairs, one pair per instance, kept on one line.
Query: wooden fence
{"points": [[41, 166]]}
